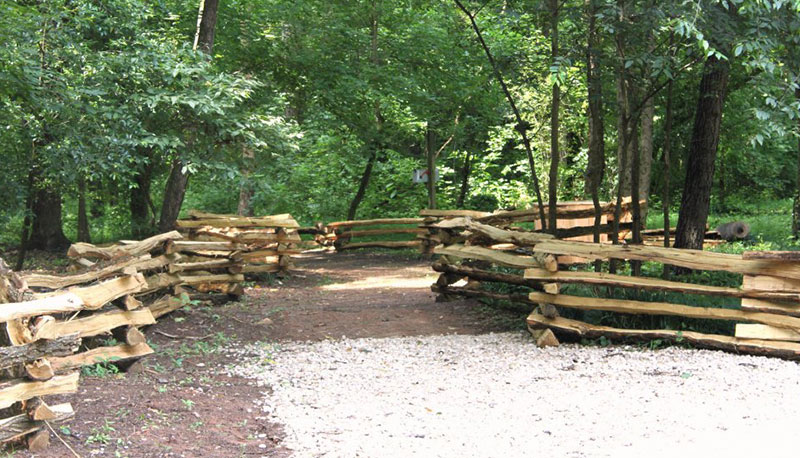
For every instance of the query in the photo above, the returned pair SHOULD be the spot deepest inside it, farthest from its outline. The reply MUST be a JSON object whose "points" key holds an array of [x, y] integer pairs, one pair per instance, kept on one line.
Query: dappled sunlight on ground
{"points": [[392, 281]]}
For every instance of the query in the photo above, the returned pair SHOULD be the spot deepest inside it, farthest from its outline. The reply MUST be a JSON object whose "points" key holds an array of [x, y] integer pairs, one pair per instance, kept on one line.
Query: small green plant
{"points": [[188, 403], [101, 435], [196, 425], [103, 369], [162, 388], [65, 430]]}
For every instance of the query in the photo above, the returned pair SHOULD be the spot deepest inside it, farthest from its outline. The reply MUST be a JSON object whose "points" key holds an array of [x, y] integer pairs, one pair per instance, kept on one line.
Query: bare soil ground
{"points": [[179, 403]]}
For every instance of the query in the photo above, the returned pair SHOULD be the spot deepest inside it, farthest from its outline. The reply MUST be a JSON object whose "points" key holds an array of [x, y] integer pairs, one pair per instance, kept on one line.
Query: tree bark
{"points": [[178, 179], [796, 206], [173, 196], [430, 156], [141, 219], [666, 193], [46, 230], [83, 221], [597, 156], [204, 39], [362, 186], [555, 154], [246, 190], [462, 194], [696, 198], [646, 152]]}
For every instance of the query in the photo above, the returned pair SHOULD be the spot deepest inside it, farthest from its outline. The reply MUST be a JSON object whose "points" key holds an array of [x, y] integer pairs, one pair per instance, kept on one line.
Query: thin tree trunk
{"points": [[646, 152], [83, 221], [430, 156], [555, 154], [465, 170], [173, 196], [667, 152], [522, 126], [696, 198], [597, 159], [246, 190], [27, 221], [142, 221], [796, 206], [362, 186], [175, 189]]}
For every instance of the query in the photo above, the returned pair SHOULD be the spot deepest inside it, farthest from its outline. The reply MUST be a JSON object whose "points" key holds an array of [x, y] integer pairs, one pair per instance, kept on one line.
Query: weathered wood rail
{"points": [[340, 234], [766, 310], [258, 244], [51, 321]]}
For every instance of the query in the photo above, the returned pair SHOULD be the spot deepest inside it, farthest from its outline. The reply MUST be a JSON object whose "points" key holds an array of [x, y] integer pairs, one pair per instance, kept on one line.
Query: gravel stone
{"points": [[498, 395]]}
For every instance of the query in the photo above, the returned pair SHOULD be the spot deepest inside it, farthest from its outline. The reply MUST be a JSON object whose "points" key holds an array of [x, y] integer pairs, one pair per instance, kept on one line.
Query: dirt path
{"points": [[180, 403]]}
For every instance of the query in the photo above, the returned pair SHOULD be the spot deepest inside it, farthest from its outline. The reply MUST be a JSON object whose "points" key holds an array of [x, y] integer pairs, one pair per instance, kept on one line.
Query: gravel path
{"points": [[498, 395]]}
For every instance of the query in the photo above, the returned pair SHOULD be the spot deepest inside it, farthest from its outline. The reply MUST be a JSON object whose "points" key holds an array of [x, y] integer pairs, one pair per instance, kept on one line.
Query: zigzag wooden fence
{"points": [[768, 312], [52, 322]]}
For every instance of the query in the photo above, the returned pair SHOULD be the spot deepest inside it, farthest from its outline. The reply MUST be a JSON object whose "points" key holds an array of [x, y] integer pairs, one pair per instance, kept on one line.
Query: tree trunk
{"points": [[430, 156], [796, 206], [597, 156], [696, 198], [83, 220], [46, 230], [246, 190], [362, 187], [204, 38], [175, 189], [141, 218], [462, 194], [646, 152], [667, 151], [555, 154], [522, 126], [623, 150], [173, 196]]}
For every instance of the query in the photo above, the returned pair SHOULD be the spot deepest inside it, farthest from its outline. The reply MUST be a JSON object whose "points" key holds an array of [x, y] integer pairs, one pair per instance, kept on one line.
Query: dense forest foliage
{"points": [[117, 114]]}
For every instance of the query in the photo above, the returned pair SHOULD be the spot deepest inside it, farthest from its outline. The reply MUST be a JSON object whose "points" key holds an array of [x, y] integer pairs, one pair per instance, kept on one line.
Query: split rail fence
{"points": [[340, 234], [768, 315], [259, 244], [56, 324]]}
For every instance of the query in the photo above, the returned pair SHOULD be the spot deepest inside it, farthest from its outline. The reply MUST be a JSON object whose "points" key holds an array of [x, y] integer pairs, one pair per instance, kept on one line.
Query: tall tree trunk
{"points": [[623, 148], [462, 193], [362, 186], [206, 26], [376, 141], [46, 230], [646, 152], [796, 206], [83, 221], [246, 190], [597, 155], [175, 189], [142, 221], [522, 126], [555, 154], [667, 151], [430, 156], [696, 198], [173, 196]]}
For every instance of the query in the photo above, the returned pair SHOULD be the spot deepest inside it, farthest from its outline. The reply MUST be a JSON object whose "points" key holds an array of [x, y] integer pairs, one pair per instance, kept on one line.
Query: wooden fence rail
{"points": [[767, 316], [51, 321]]}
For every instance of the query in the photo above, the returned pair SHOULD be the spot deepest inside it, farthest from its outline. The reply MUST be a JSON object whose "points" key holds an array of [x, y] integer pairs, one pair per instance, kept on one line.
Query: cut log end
{"points": [[39, 370], [38, 441], [544, 337]]}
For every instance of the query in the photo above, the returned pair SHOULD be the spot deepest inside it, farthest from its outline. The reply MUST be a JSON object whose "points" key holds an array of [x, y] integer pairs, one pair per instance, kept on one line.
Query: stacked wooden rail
{"points": [[56, 324], [259, 244], [768, 317], [340, 234]]}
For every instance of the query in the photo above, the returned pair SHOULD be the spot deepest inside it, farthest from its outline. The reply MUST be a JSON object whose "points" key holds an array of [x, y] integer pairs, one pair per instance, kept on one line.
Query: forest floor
{"points": [[182, 400]]}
